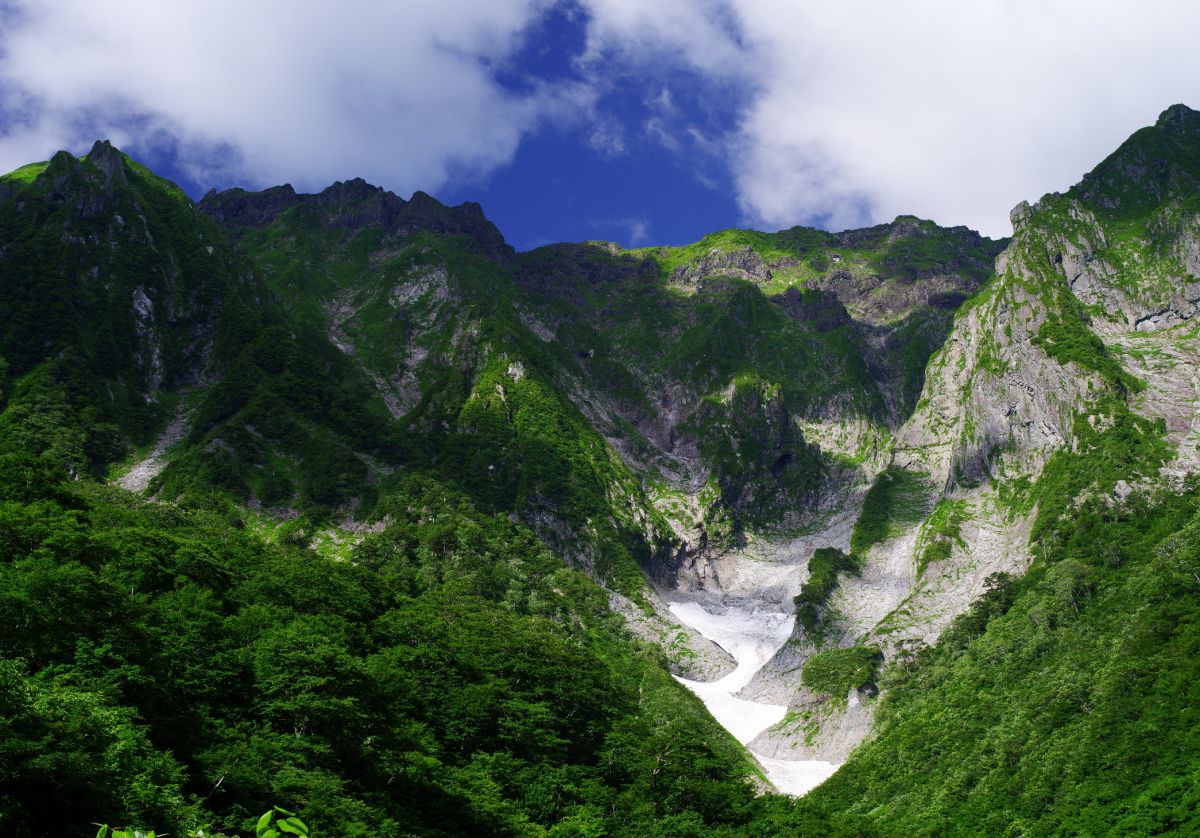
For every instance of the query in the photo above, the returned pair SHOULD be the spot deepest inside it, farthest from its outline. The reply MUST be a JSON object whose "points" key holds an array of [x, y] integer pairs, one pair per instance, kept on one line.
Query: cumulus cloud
{"points": [[858, 111], [837, 114], [701, 33], [275, 90]]}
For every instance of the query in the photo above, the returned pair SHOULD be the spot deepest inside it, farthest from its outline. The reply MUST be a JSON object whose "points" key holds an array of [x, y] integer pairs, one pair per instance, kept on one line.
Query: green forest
{"points": [[398, 481]]}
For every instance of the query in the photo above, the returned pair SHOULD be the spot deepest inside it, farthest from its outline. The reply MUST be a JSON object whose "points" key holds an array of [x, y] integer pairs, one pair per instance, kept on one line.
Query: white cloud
{"points": [[639, 232], [645, 32], [401, 94], [835, 113], [861, 110], [606, 137]]}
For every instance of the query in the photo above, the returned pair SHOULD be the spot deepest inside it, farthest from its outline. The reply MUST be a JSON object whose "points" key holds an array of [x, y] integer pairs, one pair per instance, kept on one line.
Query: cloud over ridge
{"points": [[271, 91], [862, 110], [835, 114]]}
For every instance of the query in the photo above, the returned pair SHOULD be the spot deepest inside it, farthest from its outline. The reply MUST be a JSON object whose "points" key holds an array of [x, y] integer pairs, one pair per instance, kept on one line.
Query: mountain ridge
{"points": [[904, 433]]}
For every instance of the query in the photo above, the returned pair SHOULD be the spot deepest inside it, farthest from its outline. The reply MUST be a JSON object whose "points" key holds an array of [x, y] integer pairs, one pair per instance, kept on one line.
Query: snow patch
{"points": [[752, 635], [795, 776]]}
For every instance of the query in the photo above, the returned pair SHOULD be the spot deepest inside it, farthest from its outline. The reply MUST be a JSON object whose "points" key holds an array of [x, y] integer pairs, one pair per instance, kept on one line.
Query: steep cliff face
{"points": [[1086, 319], [652, 409], [685, 413], [760, 373]]}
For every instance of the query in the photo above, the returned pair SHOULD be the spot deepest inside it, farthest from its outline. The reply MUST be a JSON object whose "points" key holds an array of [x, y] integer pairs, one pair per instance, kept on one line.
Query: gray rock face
{"points": [[690, 654], [1020, 214], [108, 160], [742, 264], [819, 728], [821, 311]]}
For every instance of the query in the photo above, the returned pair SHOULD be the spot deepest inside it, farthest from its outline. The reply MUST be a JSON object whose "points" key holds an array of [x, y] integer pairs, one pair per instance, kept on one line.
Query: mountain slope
{"points": [[112, 291], [538, 382], [1053, 433], [964, 467], [120, 300], [187, 662]]}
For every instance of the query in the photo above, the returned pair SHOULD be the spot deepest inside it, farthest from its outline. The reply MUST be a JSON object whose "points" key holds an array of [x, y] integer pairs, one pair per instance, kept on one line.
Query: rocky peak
{"points": [[1020, 215], [345, 191], [62, 162], [905, 225], [743, 263], [354, 204], [424, 202], [1180, 120], [87, 187], [1156, 164], [108, 160]]}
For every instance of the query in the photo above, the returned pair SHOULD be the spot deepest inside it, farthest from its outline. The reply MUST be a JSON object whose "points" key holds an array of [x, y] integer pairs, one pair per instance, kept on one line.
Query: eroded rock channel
{"points": [[751, 616]]}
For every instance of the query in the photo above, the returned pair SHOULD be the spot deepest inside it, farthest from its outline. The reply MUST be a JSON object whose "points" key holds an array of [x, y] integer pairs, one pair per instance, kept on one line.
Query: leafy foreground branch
{"points": [[276, 823]]}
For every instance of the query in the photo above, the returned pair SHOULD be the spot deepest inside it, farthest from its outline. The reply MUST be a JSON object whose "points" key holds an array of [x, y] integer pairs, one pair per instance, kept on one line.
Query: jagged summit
{"points": [[108, 159], [356, 203], [1180, 120], [1157, 164]]}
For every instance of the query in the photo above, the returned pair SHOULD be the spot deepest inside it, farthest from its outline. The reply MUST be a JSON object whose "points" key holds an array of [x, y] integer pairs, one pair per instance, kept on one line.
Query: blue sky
{"points": [[644, 181], [638, 178], [614, 119]]}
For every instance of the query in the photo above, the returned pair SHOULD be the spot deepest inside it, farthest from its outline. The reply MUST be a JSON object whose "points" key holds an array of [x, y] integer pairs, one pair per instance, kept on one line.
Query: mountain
{"points": [[408, 528], [108, 274], [1057, 426]]}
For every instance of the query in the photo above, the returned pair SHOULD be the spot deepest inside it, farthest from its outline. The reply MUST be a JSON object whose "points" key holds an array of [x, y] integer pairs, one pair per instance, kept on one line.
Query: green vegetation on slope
{"points": [[940, 532], [900, 252], [489, 409], [834, 672], [25, 174], [92, 264], [1068, 340], [1063, 702], [823, 569], [765, 470], [896, 499], [1156, 166], [165, 667]]}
